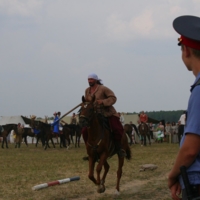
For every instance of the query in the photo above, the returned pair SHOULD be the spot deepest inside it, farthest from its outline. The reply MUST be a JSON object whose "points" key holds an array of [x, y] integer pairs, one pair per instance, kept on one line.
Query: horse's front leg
{"points": [[91, 170], [25, 140], [53, 142], [119, 172], [106, 169], [100, 182], [79, 138], [37, 140], [6, 143], [145, 140], [2, 146], [149, 138], [75, 140]]}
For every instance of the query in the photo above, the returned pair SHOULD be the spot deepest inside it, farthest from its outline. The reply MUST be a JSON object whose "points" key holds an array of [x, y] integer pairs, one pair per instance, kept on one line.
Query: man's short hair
{"points": [[196, 53]]}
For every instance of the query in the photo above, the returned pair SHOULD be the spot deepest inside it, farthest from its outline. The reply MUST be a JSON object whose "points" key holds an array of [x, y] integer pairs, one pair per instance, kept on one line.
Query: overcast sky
{"points": [[48, 48]]}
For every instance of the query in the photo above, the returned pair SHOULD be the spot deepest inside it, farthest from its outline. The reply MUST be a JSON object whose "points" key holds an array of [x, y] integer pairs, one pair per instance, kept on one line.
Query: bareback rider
{"points": [[106, 98]]}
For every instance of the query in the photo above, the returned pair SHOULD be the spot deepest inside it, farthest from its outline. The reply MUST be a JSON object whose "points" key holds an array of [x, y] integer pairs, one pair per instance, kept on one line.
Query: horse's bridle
{"points": [[92, 111]]}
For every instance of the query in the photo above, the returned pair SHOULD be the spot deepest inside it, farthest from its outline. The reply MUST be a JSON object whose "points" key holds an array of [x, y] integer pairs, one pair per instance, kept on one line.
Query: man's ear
{"points": [[187, 50]]}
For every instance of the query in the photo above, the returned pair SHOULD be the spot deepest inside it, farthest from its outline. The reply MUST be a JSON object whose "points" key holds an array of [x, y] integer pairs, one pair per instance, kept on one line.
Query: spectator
{"points": [[160, 129], [181, 123], [168, 132], [20, 131], [151, 129], [121, 118], [174, 132]]}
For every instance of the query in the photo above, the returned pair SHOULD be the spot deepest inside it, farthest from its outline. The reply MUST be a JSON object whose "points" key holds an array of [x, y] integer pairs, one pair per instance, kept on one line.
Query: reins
{"points": [[103, 126]]}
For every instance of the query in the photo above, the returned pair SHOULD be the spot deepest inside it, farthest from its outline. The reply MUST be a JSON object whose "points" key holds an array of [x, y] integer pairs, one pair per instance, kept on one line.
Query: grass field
{"points": [[21, 169]]}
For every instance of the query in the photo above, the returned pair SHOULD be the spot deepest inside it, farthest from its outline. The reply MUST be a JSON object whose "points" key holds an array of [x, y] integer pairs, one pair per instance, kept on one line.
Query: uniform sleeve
{"points": [[193, 114], [110, 97]]}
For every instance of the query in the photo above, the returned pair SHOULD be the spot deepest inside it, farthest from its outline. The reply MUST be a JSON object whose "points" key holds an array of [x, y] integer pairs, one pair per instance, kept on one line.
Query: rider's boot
{"points": [[121, 152]]}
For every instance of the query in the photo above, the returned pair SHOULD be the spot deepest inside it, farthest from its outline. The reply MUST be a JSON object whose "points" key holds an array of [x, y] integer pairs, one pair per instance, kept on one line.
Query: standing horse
{"points": [[46, 132], [66, 136], [78, 135], [128, 128], [144, 131], [27, 132], [5, 131], [74, 131], [100, 145]]}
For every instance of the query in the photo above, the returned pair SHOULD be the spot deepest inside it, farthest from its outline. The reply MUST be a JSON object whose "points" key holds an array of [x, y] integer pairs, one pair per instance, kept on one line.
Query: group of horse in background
{"points": [[45, 134], [66, 135]]}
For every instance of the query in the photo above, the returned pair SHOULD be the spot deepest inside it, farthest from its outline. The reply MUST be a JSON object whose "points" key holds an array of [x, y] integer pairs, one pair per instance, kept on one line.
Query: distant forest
{"points": [[168, 116]]}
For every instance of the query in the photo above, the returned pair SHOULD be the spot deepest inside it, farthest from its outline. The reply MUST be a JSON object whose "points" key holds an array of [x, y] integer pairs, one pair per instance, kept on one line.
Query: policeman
{"points": [[189, 153]]}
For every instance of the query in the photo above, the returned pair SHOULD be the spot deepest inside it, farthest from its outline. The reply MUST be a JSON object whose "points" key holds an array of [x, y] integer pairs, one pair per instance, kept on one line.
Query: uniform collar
{"points": [[195, 82]]}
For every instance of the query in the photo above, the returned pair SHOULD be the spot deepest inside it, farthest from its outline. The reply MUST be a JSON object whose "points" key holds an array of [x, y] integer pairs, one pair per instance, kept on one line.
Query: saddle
{"points": [[104, 121]]}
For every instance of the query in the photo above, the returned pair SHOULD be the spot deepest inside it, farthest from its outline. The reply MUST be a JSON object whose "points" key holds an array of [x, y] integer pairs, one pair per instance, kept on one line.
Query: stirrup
{"points": [[85, 158], [122, 153]]}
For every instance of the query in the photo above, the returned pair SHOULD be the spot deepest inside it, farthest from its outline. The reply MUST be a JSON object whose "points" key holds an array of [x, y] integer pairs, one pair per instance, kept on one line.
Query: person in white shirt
{"points": [[121, 118], [181, 126]]}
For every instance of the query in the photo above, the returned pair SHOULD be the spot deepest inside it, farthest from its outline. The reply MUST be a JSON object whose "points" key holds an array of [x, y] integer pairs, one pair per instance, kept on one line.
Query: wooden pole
{"points": [[70, 111]]}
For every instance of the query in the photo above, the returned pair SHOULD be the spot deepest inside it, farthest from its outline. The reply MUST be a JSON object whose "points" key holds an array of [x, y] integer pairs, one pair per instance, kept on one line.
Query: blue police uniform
{"points": [[189, 29], [193, 127]]}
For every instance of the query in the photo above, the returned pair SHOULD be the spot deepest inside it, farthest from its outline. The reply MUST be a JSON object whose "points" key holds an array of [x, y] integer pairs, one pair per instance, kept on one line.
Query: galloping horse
{"points": [[5, 131], [100, 145], [144, 131]]}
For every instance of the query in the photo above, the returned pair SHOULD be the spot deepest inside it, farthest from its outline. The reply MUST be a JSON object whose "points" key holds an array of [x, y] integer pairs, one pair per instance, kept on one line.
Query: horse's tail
{"points": [[128, 153]]}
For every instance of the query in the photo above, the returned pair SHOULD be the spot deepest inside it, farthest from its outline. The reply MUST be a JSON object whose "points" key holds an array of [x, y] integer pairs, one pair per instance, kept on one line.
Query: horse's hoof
{"points": [[116, 193], [101, 189]]}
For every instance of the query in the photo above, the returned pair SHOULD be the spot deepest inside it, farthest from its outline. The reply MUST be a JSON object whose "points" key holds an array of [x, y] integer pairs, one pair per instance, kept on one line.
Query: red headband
{"points": [[189, 42]]}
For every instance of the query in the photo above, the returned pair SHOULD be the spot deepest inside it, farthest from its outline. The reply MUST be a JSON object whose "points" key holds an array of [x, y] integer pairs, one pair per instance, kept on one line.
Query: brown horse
{"points": [[30, 132], [78, 135], [73, 130], [144, 131], [45, 131], [66, 136], [128, 128], [100, 145], [6, 129]]}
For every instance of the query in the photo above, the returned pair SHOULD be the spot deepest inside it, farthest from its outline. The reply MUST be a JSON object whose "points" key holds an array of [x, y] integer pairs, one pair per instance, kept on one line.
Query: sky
{"points": [[48, 49]]}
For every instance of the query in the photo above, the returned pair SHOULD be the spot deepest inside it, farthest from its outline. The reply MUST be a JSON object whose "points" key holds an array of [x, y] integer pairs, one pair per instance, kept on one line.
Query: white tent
{"points": [[14, 120], [11, 120]]}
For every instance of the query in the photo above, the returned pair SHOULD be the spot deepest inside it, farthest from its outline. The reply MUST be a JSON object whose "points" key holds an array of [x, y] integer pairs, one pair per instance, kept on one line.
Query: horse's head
{"points": [[86, 112]]}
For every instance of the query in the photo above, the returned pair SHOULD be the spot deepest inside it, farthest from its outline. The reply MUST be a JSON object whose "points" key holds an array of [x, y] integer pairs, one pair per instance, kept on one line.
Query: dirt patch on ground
{"points": [[131, 187]]}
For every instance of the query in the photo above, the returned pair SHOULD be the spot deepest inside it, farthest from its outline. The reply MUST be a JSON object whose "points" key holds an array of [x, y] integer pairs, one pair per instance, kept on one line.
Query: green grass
{"points": [[21, 169]]}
